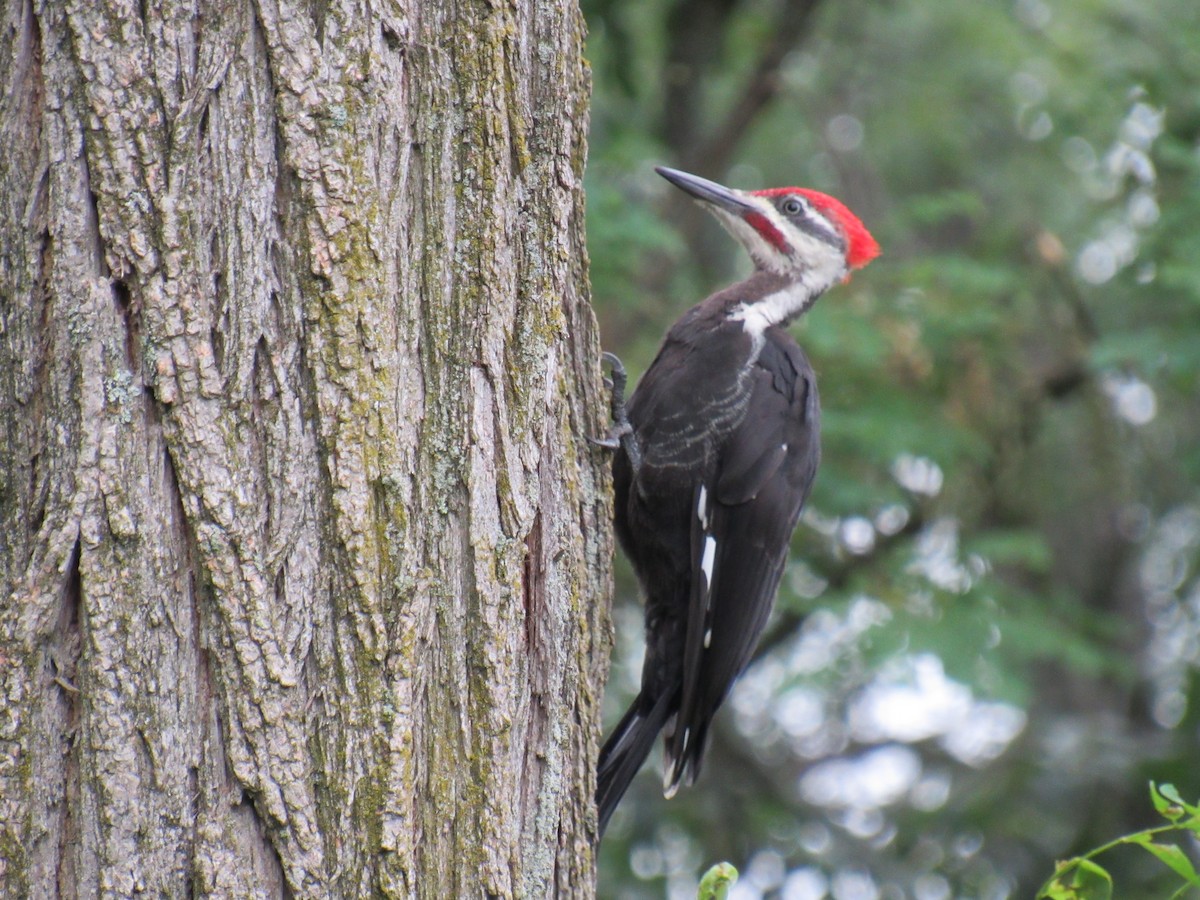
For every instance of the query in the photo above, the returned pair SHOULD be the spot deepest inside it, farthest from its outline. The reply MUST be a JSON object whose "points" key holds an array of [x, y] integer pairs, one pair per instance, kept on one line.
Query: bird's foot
{"points": [[621, 433], [616, 383], [612, 440]]}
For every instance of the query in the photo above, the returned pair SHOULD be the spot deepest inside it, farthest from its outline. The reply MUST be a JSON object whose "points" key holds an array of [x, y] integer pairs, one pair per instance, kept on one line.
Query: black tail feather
{"points": [[624, 752]]}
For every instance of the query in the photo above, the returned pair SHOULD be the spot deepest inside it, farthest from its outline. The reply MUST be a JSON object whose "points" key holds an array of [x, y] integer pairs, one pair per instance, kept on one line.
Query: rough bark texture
{"points": [[303, 558]]}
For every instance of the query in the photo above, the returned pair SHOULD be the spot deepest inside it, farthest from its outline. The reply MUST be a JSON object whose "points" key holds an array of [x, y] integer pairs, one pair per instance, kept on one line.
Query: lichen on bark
{"points": [[304, 555]]}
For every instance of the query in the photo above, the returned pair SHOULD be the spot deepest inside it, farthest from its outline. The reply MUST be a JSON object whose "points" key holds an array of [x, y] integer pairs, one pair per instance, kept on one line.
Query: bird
{"points": [[714, 457]]}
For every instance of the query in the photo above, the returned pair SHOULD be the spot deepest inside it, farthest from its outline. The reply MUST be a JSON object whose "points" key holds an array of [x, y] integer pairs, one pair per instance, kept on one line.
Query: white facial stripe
{"points": [[795, 298], [772, 309]]}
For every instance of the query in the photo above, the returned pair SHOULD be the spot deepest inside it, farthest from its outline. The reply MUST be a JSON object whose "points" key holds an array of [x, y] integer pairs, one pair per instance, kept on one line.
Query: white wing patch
{"points": [[672, 769], [707, 560], [672, 773], [670, 782]]}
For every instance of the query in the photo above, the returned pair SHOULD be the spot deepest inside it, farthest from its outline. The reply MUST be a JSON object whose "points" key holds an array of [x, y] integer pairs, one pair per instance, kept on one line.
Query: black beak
{"points": [[707, 191]]}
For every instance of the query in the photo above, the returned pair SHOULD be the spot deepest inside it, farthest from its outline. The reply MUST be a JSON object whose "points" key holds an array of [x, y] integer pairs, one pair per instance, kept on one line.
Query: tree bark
{"points": [[303, 557]]}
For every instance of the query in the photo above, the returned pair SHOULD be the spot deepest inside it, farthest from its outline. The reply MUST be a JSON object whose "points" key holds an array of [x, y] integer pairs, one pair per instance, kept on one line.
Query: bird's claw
{"points": [[612, 440], [615, 383], [621, 433]]}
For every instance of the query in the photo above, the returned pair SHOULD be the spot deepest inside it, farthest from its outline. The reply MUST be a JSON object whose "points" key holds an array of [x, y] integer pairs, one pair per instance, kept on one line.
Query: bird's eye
{"points": [[792, 206]]}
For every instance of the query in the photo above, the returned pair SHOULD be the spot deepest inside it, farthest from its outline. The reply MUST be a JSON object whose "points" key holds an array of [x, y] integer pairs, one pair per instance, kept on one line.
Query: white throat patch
{"points": [[788, 302]]}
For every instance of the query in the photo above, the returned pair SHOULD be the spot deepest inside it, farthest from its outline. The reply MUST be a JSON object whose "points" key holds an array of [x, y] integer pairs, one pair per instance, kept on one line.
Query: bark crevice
{"points": [[64, 656], [294, 383]]}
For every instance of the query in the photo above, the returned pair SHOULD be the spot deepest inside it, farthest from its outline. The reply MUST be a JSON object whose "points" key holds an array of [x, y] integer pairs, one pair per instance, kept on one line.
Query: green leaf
{"points": [[1171, 793], [1173, 857], [1092, 881], [1054, 891], [717, 881], [1078, 879], [1168, 802]]}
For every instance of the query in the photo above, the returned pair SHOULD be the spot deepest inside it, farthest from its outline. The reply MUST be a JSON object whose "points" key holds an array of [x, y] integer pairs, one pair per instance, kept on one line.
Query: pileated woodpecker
{"points": [[716, 453]]}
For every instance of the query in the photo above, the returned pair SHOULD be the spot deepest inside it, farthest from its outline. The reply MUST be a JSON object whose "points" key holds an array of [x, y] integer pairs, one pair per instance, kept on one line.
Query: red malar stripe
{"points": [[770, 233]]}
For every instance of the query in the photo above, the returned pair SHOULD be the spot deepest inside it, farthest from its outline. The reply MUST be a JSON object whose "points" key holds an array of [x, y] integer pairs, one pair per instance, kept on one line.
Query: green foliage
{"points": [[716, 882], [1082, 878], [1030, 336]]}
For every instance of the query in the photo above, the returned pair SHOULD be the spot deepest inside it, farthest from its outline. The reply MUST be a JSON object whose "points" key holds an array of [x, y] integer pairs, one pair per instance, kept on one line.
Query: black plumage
{"points": [[731, 465], [717, 450]]}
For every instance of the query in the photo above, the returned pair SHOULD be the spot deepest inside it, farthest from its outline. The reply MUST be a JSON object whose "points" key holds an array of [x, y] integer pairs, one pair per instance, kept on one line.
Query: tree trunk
{"points": [[303, 557]]}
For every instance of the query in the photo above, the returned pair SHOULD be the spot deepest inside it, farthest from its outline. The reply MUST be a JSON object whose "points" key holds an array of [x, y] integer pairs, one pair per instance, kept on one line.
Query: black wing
{"points": [[743, 517]]}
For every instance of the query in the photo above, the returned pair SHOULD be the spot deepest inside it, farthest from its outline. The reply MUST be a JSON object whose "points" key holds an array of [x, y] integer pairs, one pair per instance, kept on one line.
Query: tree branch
{"points": [[788, 32]]}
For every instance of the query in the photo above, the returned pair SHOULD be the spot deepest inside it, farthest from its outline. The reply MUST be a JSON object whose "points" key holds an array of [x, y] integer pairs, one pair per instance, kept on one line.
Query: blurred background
{"points": [[987, 640]]}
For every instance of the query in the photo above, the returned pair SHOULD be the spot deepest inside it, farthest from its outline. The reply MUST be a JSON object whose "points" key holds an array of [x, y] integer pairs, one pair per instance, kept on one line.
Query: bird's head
{"points": [[795, 232]]}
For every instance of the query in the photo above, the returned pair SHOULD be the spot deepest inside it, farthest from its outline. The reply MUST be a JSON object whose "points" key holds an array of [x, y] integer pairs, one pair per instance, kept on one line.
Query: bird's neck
{"points": [[773, 298]]}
